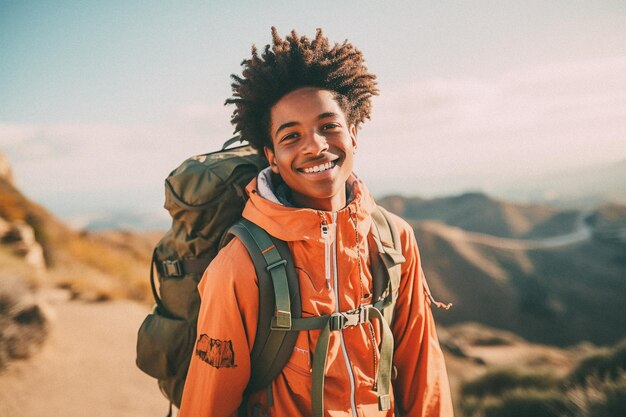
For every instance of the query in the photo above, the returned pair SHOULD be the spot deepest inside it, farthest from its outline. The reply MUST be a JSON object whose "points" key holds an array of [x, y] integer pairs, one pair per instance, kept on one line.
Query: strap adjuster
{"points": [[351, 318], [172, 268], [281, 321], [276, 265]]}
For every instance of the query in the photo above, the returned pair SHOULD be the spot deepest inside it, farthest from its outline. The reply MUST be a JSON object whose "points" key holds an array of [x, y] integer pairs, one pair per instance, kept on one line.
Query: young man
{"points": [[300, 103]]}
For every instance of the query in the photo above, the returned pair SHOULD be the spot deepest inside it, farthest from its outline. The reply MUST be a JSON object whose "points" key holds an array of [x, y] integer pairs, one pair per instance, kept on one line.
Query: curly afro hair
{"points": [[292, 63]]}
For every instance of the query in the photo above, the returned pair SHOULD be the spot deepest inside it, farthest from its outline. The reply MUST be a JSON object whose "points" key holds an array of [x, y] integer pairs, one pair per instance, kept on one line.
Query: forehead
{"points": [[302, 105]]}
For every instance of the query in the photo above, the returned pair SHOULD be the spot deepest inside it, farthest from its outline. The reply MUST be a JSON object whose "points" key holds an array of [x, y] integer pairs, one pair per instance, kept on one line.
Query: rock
{"points": [[24, 321], [20, 237]]}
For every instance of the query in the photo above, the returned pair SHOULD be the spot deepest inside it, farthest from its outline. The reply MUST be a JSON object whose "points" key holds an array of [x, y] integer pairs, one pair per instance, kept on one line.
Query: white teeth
{"points": [[319, 168]]}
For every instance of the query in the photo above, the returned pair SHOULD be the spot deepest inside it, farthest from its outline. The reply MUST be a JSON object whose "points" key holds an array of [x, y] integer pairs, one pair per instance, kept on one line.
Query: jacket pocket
{"points": [[163, 345], [297, 372], [300, 359]]}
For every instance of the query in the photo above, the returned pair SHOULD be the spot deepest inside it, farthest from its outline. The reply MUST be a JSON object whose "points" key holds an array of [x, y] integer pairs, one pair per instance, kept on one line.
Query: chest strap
{"points": [[338, 322]]}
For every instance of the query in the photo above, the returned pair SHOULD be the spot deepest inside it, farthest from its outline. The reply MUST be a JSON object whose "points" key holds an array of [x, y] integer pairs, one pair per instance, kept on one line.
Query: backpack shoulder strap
{"points": [[388, 242], [279, 302], [386, 263]]}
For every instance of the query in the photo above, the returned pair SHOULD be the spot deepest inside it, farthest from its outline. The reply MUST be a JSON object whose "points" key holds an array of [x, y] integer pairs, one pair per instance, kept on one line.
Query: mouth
{"points": [[319, 168]]}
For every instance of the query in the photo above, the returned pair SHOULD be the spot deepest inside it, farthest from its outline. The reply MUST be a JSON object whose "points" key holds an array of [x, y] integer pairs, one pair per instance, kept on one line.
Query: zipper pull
{"points": [[326, 237]]}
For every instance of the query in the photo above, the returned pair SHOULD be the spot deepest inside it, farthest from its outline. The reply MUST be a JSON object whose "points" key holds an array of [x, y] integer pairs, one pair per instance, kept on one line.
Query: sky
{"points": [[99, 101]]}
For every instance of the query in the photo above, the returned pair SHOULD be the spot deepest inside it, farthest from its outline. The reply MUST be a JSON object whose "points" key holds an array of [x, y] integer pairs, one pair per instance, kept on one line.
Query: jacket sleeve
{"points": [[220, 365], [421, 388]]}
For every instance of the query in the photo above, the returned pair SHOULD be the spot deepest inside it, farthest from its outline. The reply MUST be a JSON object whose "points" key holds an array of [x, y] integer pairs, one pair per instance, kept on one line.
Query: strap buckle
{"points": [[172, 268], [350, 318], [281, 321]]}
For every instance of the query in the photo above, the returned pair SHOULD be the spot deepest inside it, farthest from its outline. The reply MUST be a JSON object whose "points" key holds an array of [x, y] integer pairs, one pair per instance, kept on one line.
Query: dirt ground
{"points": [[86, 368]]}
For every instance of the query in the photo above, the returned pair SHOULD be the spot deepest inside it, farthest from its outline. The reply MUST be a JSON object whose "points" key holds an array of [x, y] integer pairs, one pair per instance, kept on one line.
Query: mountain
{"points": [[477, 212], [557, 289], [123, 220]]}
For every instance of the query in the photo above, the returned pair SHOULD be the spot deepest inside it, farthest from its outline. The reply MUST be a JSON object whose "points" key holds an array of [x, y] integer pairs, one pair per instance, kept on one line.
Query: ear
{"points": [[352, 131], [271, 158]]}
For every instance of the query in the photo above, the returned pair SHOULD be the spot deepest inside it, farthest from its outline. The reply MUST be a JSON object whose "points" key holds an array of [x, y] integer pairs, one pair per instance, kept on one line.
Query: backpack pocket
{"points": [[164, 344]]}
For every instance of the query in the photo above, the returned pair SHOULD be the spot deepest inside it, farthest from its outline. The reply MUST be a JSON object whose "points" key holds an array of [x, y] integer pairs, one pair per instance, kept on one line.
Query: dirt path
{"points": [[87, 367]]}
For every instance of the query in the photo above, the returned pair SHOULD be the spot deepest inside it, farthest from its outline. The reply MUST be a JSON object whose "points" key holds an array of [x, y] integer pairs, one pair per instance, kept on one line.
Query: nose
{"points": [[315, 143]]}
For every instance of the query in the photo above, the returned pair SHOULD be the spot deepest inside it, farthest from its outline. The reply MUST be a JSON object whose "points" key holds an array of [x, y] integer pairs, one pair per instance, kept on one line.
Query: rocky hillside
{"points": [[39, 253], [24, 323], [93, 266]]}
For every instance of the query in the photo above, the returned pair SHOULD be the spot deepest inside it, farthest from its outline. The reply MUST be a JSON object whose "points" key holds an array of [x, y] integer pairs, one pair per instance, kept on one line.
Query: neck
{"points": [[334, 203]]}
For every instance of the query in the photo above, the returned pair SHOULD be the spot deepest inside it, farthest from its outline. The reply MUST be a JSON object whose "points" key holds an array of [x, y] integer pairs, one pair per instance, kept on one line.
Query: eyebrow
{"points": [[327, 114], [291, 124], [285, 126]]}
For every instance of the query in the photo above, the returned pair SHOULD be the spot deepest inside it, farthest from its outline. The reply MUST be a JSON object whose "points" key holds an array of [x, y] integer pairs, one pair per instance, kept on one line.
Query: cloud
{"points": [[514, 100], [450, 134], [203, 112], [114, 164], [13, 134]]}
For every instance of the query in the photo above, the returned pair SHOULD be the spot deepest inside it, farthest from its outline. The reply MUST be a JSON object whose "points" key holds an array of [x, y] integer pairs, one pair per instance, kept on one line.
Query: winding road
{"points": [[580, 234]]}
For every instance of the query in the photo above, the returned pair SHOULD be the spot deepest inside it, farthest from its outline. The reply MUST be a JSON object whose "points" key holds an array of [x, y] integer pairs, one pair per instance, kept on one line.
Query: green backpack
{"points": [[205, 196]]}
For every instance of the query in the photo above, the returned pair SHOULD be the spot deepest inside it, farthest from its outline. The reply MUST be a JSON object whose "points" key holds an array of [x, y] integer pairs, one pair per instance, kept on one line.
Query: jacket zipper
{"points": [[331, 249], [327, 244]]}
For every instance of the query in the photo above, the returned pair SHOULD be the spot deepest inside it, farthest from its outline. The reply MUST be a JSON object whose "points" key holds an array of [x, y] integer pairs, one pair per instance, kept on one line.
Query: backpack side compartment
{"points": [[204, 196]]}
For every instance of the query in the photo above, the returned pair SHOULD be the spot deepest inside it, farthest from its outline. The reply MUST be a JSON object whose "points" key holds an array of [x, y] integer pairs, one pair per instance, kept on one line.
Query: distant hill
{"points": [[557, 295], [123, 220], [477, 212]]}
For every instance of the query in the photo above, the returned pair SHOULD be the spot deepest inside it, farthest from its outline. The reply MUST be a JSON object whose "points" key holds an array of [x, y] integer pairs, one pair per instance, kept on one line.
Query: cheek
{"points": [[350, 157], [280, 162]]}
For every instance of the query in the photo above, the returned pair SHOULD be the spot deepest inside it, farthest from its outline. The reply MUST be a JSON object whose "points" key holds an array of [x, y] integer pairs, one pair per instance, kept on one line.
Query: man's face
{"points": [[313, 147]]}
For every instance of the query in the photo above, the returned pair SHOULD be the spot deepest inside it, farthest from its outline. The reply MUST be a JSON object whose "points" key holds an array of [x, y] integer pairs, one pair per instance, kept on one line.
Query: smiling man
{"points": [[300, 103], [312, 148]]}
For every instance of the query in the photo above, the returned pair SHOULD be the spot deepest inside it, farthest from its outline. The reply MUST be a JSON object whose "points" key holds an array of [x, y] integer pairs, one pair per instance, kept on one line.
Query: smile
{"points": [[319, 168]]}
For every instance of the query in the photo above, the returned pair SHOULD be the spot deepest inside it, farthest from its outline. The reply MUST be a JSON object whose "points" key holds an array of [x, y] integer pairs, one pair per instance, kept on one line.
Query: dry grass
{"points": [[107, 265], [596, 387], [95, 271]]}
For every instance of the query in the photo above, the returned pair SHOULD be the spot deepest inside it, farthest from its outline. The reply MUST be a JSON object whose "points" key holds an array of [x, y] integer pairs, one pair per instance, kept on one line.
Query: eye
{"points": [[290, 136], [332, 125]]}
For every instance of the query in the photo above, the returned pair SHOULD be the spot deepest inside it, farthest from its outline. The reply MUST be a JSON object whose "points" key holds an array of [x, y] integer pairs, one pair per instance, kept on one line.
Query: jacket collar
{"points": [[275, 214], [272, 187]]}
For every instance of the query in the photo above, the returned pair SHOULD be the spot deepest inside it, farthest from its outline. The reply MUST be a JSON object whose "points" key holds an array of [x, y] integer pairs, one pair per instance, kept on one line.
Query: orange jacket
{"points": [[220, 367]]}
